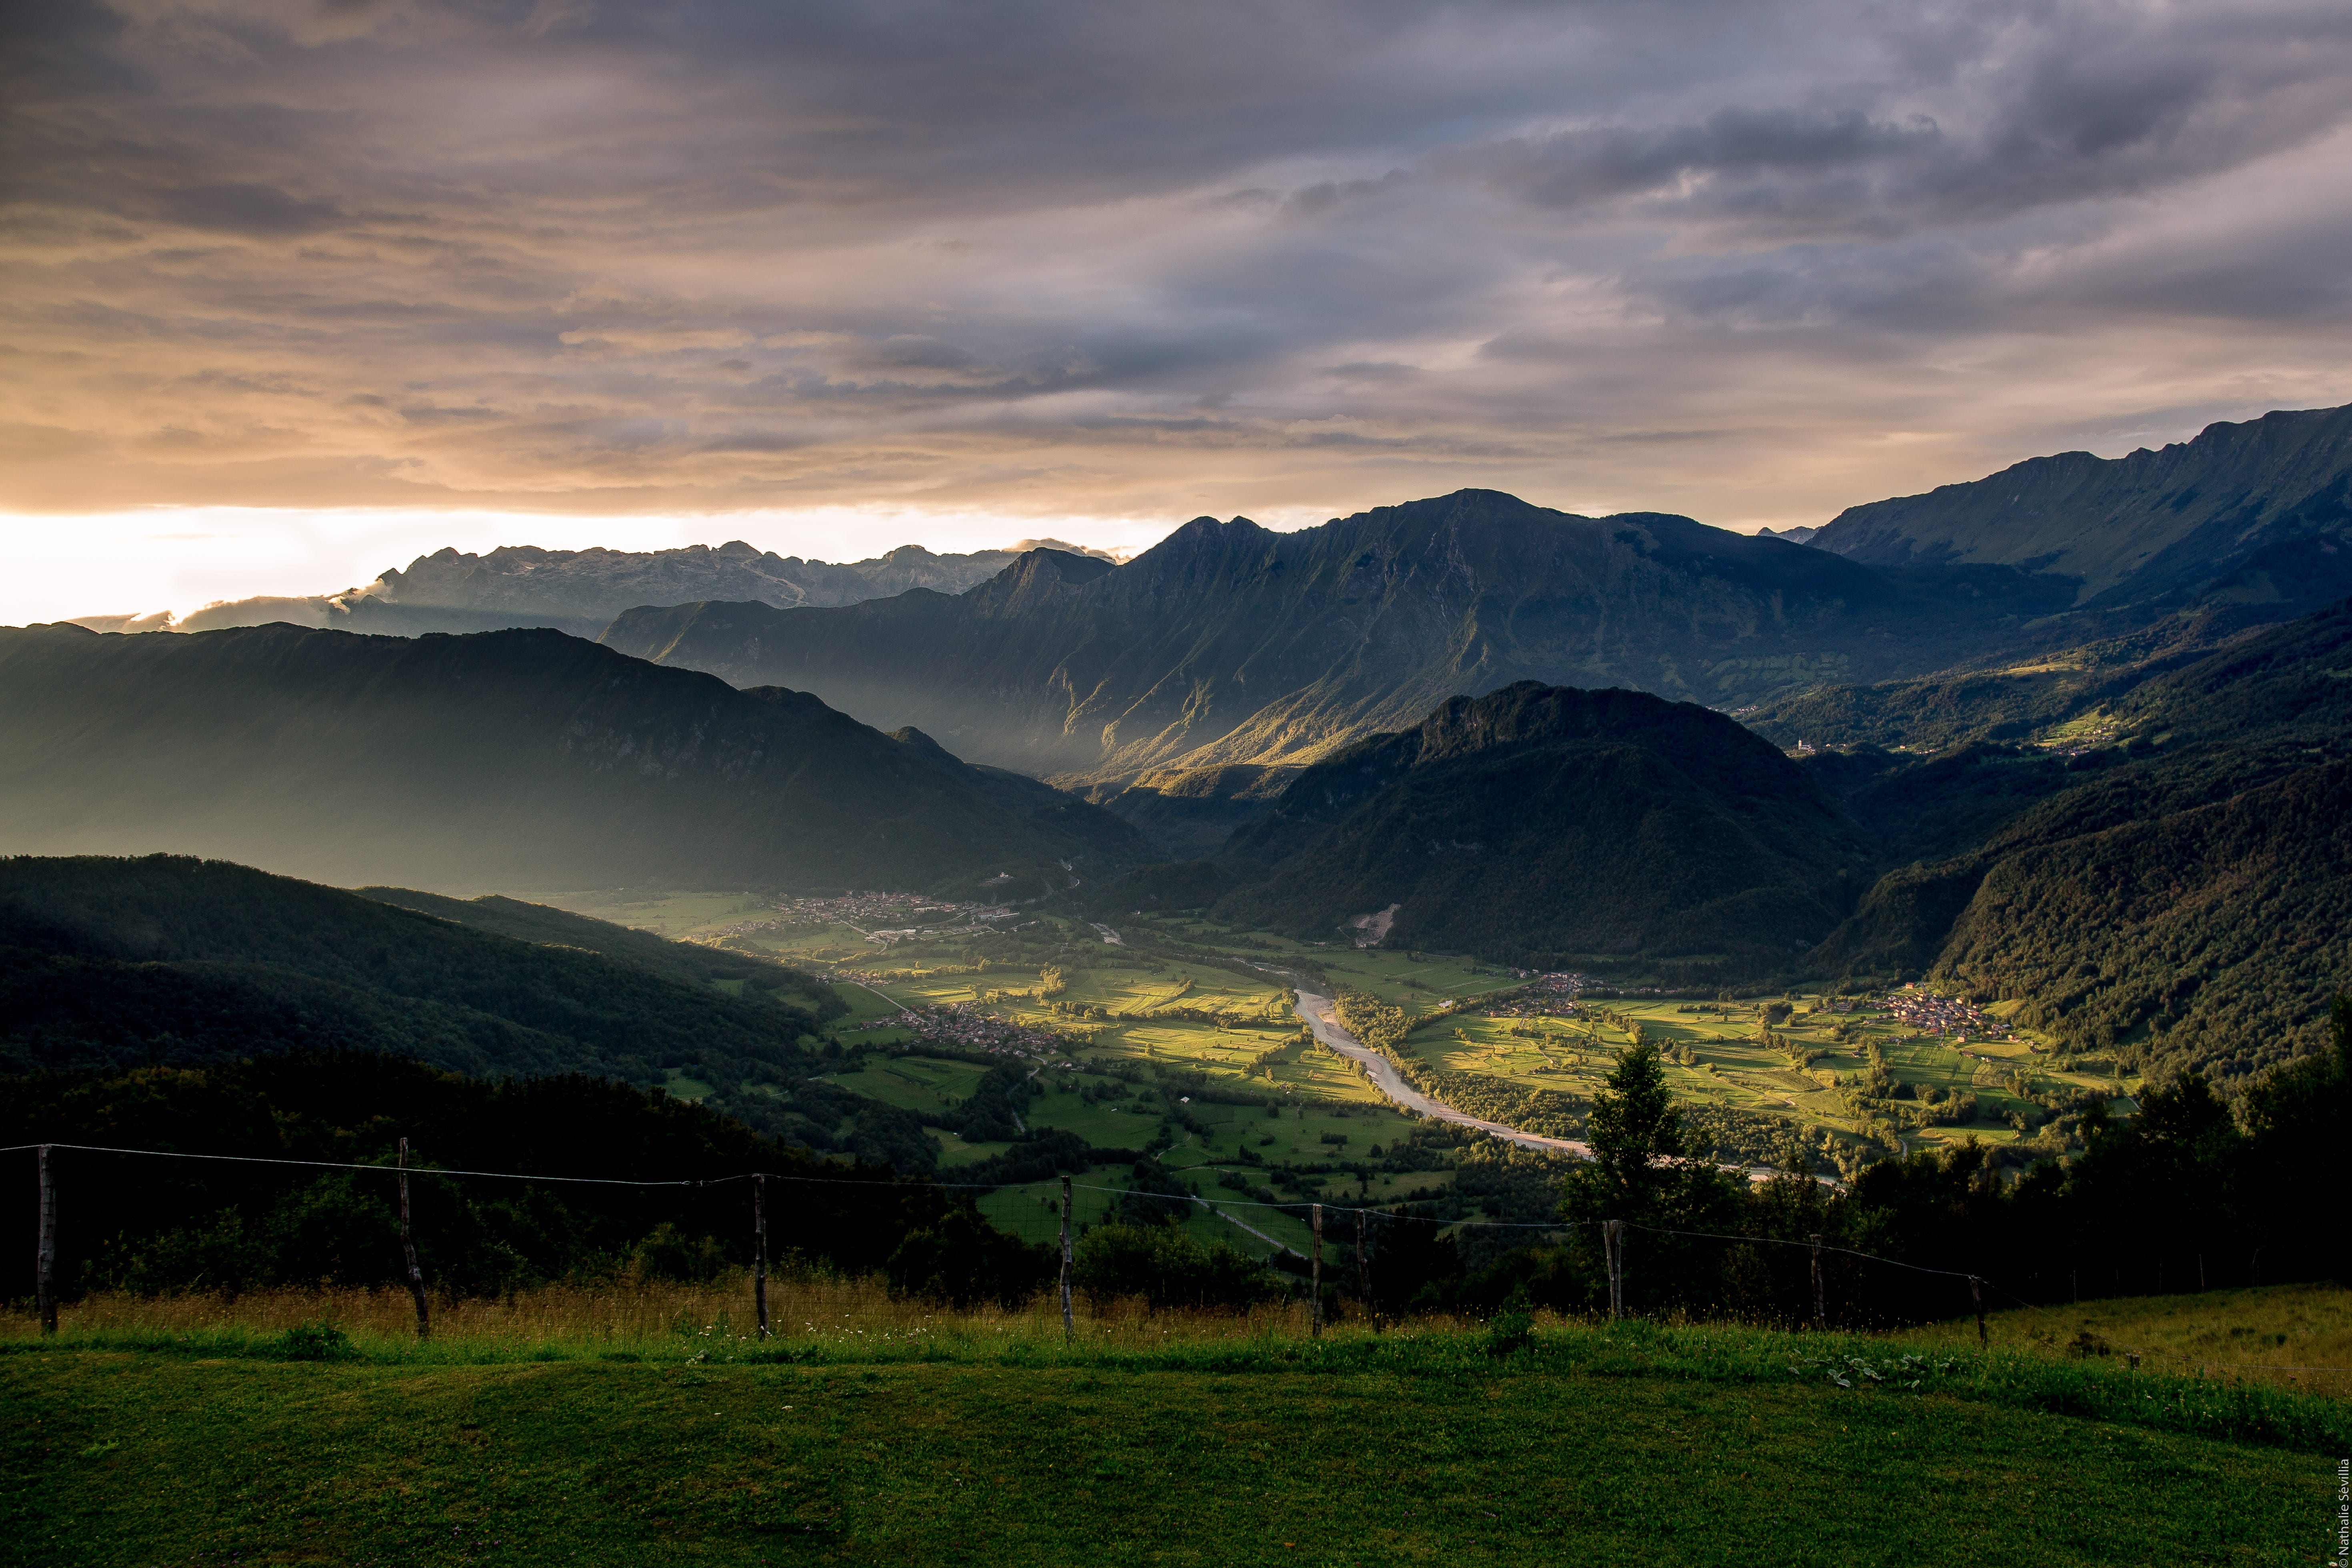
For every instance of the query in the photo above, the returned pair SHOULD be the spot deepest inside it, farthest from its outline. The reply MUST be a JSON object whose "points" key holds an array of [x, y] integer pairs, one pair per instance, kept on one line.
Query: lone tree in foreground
{"points": [[1645, 1170], [1636, 1132]]}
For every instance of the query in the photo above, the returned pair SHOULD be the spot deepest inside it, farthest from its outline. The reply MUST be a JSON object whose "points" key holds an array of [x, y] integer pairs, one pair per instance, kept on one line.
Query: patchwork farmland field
{"points": [[1146, 1006]]}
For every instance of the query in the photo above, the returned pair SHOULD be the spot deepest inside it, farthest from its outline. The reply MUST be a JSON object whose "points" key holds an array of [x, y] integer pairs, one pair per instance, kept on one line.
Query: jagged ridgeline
{"points": [[513, 760], [580, 591], [169, 961], [1548, 824], [1228, 643]]}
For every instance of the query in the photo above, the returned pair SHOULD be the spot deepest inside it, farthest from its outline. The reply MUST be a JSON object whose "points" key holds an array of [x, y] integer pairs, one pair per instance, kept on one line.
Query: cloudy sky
{"points": [[351, 279]]}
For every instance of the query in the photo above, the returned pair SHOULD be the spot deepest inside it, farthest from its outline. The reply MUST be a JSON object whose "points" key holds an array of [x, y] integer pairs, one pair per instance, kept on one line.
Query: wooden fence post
{"points": [[1821, 1305], [1976, 1294], [1069, 1325], [1612, 1244], [408, 1252], [760, 1247], [1363, 1272], [1319, 1270], [45, 1259]]}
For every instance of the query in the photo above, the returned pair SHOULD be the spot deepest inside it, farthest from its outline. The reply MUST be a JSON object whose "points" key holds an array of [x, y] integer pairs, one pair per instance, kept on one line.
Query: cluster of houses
{"points": [[883, 918], [1926, 1011], [1551, 996], [862, 909], [969, 1029]]}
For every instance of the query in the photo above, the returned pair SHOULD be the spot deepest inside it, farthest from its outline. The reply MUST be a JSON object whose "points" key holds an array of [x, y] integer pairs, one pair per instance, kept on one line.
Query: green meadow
{"points": [[1204, 1443]]}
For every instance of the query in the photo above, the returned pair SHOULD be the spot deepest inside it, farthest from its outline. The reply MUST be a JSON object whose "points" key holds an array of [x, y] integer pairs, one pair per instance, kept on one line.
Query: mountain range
{"points": [[1185, 688], [1227, 645], [580, 591], [2070, 737], [502, 760], [2258, 513]]}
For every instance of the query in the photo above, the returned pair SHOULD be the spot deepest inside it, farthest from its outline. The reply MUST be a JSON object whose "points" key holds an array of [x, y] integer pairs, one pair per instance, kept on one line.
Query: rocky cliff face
{"points": [[606, 581]]}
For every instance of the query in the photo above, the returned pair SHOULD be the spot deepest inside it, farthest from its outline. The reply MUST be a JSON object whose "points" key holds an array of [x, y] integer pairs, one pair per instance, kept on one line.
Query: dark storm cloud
{"points": [[1742, 146], [2060, 108], [1122, 257]]}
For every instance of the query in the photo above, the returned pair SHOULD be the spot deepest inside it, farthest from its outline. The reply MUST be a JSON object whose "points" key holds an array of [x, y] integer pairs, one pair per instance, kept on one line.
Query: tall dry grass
{"points": [[2292, 1338], [652, 1317], [2289, 1336]]}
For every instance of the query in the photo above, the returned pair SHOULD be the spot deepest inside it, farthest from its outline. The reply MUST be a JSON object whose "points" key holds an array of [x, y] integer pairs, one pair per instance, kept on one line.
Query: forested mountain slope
{"points": [[165, 961], [2056, 695], [1545, 825], [1227, 644], [171, 961], [513, 760], [2254, 513], [2211, 938], [2173, 888]]}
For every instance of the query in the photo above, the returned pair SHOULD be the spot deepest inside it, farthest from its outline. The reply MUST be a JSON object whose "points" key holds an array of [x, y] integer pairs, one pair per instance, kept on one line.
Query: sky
{"points": [[292, 292]]}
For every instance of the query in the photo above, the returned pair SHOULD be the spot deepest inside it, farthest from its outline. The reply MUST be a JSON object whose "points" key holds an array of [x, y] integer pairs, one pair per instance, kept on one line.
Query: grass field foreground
{"points": [[146, 1455]]}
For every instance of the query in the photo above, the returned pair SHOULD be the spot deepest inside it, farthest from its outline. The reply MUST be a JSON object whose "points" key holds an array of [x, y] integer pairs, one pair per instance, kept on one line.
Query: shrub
{"points": [[1512, 1327], [1168, 1269], [668, 1253], [961, 1260], [315, 1341]]}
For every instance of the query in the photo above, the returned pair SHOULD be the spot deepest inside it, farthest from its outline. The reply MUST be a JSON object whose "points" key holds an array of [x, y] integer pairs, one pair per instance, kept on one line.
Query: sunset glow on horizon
{"points": [[833, 280]]}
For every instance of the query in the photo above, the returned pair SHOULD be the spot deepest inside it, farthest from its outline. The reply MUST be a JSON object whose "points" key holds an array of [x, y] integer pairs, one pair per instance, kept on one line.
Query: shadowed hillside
{"points": [[169, 962], [172, 961], [1545, 825], [514, 760]]}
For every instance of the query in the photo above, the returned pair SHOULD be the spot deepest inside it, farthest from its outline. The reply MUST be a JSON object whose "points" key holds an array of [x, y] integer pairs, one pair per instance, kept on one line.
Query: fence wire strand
{"points": [[917, 1184]]}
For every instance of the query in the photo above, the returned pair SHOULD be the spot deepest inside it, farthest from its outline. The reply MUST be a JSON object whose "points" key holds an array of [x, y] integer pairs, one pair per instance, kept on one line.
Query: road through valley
{"points": [[1325, 1024]]}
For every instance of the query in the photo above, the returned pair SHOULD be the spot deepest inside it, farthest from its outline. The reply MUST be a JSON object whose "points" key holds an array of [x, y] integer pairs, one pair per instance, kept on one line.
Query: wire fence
{"points": [[1387, 1215], [1817, 1249]]}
